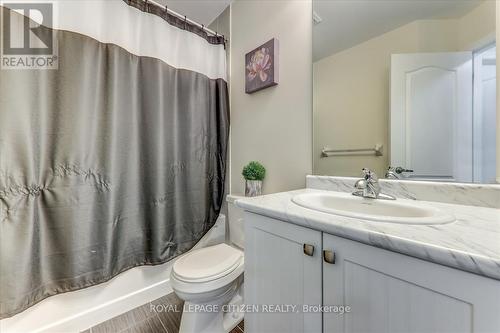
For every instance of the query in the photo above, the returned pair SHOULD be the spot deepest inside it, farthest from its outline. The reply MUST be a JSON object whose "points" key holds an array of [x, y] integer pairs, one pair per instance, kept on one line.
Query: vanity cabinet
{"points": [[279, 273], [391, 292], [386, 291]]}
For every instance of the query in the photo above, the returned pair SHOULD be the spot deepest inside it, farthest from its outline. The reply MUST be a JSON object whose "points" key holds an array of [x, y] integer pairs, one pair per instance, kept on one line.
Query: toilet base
{"points": [[209, 317]]}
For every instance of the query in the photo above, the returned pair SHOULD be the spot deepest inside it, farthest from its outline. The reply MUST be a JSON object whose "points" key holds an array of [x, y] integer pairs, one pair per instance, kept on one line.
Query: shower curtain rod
{"points": [[215, 33]]}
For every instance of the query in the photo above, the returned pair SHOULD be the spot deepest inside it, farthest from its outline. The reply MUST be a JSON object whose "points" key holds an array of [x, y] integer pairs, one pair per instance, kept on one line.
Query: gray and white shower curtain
{"points": [[116, 158]]}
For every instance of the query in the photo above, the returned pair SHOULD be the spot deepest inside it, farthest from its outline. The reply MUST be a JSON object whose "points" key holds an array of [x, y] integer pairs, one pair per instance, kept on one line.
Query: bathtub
{"points": [[78, 310]]}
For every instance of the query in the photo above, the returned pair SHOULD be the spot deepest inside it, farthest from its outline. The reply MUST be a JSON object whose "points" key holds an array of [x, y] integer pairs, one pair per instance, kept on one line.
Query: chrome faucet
{"points": [[369, 187], [396, 172]]}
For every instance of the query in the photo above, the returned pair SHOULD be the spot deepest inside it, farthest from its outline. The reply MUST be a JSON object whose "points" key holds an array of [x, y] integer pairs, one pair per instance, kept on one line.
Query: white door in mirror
{"points": [[431, 115]]}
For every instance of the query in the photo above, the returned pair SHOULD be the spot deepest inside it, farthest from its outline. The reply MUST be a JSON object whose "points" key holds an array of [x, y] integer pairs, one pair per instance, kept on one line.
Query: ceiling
{"points": [[346, 23], [200, 11]]}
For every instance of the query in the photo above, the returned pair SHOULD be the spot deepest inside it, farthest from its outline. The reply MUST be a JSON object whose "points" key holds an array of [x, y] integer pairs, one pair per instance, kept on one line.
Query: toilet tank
{"points": [[235, 217]]}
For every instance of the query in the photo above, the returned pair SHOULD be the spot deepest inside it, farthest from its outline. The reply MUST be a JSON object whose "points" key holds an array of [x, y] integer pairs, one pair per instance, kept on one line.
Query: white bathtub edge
{"points": [[113, 308]]}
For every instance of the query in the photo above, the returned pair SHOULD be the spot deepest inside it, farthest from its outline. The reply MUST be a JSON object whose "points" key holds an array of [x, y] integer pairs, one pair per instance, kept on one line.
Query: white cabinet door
{"points": [[278, 272], [431, 115], [389, 292]]}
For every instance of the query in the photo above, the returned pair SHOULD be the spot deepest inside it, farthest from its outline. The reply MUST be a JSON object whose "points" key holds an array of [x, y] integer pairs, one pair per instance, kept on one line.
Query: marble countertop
{"points": [[471, 243]]}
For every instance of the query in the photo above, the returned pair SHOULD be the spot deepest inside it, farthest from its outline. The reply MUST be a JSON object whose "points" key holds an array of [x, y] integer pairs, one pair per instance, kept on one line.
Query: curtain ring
{"points": [[203, 27], [185, 19]]}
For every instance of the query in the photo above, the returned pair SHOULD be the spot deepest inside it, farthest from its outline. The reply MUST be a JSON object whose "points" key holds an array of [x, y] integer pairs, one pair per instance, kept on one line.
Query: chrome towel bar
{"points": [[377, 151]]}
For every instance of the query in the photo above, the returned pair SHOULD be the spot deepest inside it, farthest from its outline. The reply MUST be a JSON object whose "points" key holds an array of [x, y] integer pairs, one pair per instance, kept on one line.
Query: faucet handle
{"points": [[369, 175], [401, 170]]}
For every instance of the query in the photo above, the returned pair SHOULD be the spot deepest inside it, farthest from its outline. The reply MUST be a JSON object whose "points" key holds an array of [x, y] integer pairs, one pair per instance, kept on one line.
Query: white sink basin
{"points": [[397, 211]]}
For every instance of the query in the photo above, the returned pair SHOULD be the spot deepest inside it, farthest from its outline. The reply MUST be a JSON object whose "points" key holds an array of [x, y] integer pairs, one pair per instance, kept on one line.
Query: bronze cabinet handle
{"points": [[329, 256], [308, 250]]}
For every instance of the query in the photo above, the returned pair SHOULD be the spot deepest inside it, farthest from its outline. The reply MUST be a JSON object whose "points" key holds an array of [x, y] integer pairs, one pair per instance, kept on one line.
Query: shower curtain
{"points": [[115, 156]]}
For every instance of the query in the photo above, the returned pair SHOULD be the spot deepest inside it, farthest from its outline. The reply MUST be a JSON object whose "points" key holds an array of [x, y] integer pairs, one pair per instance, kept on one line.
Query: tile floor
{"points": [[145, 319]]}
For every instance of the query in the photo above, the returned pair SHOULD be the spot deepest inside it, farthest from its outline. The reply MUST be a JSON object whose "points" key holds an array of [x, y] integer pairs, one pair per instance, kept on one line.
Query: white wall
{"points": [[351, 102], [273, 125], [477, 28], [498, 92], [351, 88]]}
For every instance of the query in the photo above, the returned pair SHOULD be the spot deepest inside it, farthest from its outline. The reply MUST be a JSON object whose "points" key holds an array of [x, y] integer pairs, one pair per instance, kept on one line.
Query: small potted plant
{"points": [[254, 174]]}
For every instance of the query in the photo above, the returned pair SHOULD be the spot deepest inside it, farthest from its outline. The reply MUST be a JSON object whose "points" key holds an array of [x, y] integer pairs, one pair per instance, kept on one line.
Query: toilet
{"points": [[210, 281]]}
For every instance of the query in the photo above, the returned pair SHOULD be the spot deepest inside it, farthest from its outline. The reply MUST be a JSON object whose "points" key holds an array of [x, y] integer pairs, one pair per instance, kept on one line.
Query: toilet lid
{"points": [[208, 263]]}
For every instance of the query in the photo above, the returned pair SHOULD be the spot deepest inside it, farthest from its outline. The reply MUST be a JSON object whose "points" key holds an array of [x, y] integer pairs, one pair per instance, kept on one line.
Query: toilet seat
{"points": [[207, 269], [207, 264]]}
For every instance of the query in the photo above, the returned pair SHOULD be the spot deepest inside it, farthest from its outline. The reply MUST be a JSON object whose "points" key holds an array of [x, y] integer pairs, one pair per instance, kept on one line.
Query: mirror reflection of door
{"points": [[431, 115], [443, 115]]}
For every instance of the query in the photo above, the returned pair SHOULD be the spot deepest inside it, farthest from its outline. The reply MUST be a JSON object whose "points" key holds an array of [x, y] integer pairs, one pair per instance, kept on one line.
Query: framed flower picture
{"points": [[261, 67]]}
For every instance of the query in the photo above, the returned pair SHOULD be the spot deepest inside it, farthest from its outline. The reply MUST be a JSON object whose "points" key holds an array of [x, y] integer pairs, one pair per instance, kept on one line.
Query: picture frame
{"points": [[261, 67]]}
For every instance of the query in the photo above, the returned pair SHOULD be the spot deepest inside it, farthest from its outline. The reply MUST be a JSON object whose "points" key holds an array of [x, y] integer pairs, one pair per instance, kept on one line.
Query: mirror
{"points": [[405, 85]]}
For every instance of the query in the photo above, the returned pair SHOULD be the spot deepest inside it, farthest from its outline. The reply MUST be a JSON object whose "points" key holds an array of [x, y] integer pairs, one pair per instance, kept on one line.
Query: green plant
{"points": [[254, 171]]}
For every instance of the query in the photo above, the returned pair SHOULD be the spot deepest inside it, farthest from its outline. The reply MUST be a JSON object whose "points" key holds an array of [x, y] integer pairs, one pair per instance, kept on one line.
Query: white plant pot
{"points": [[253, 188]]}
